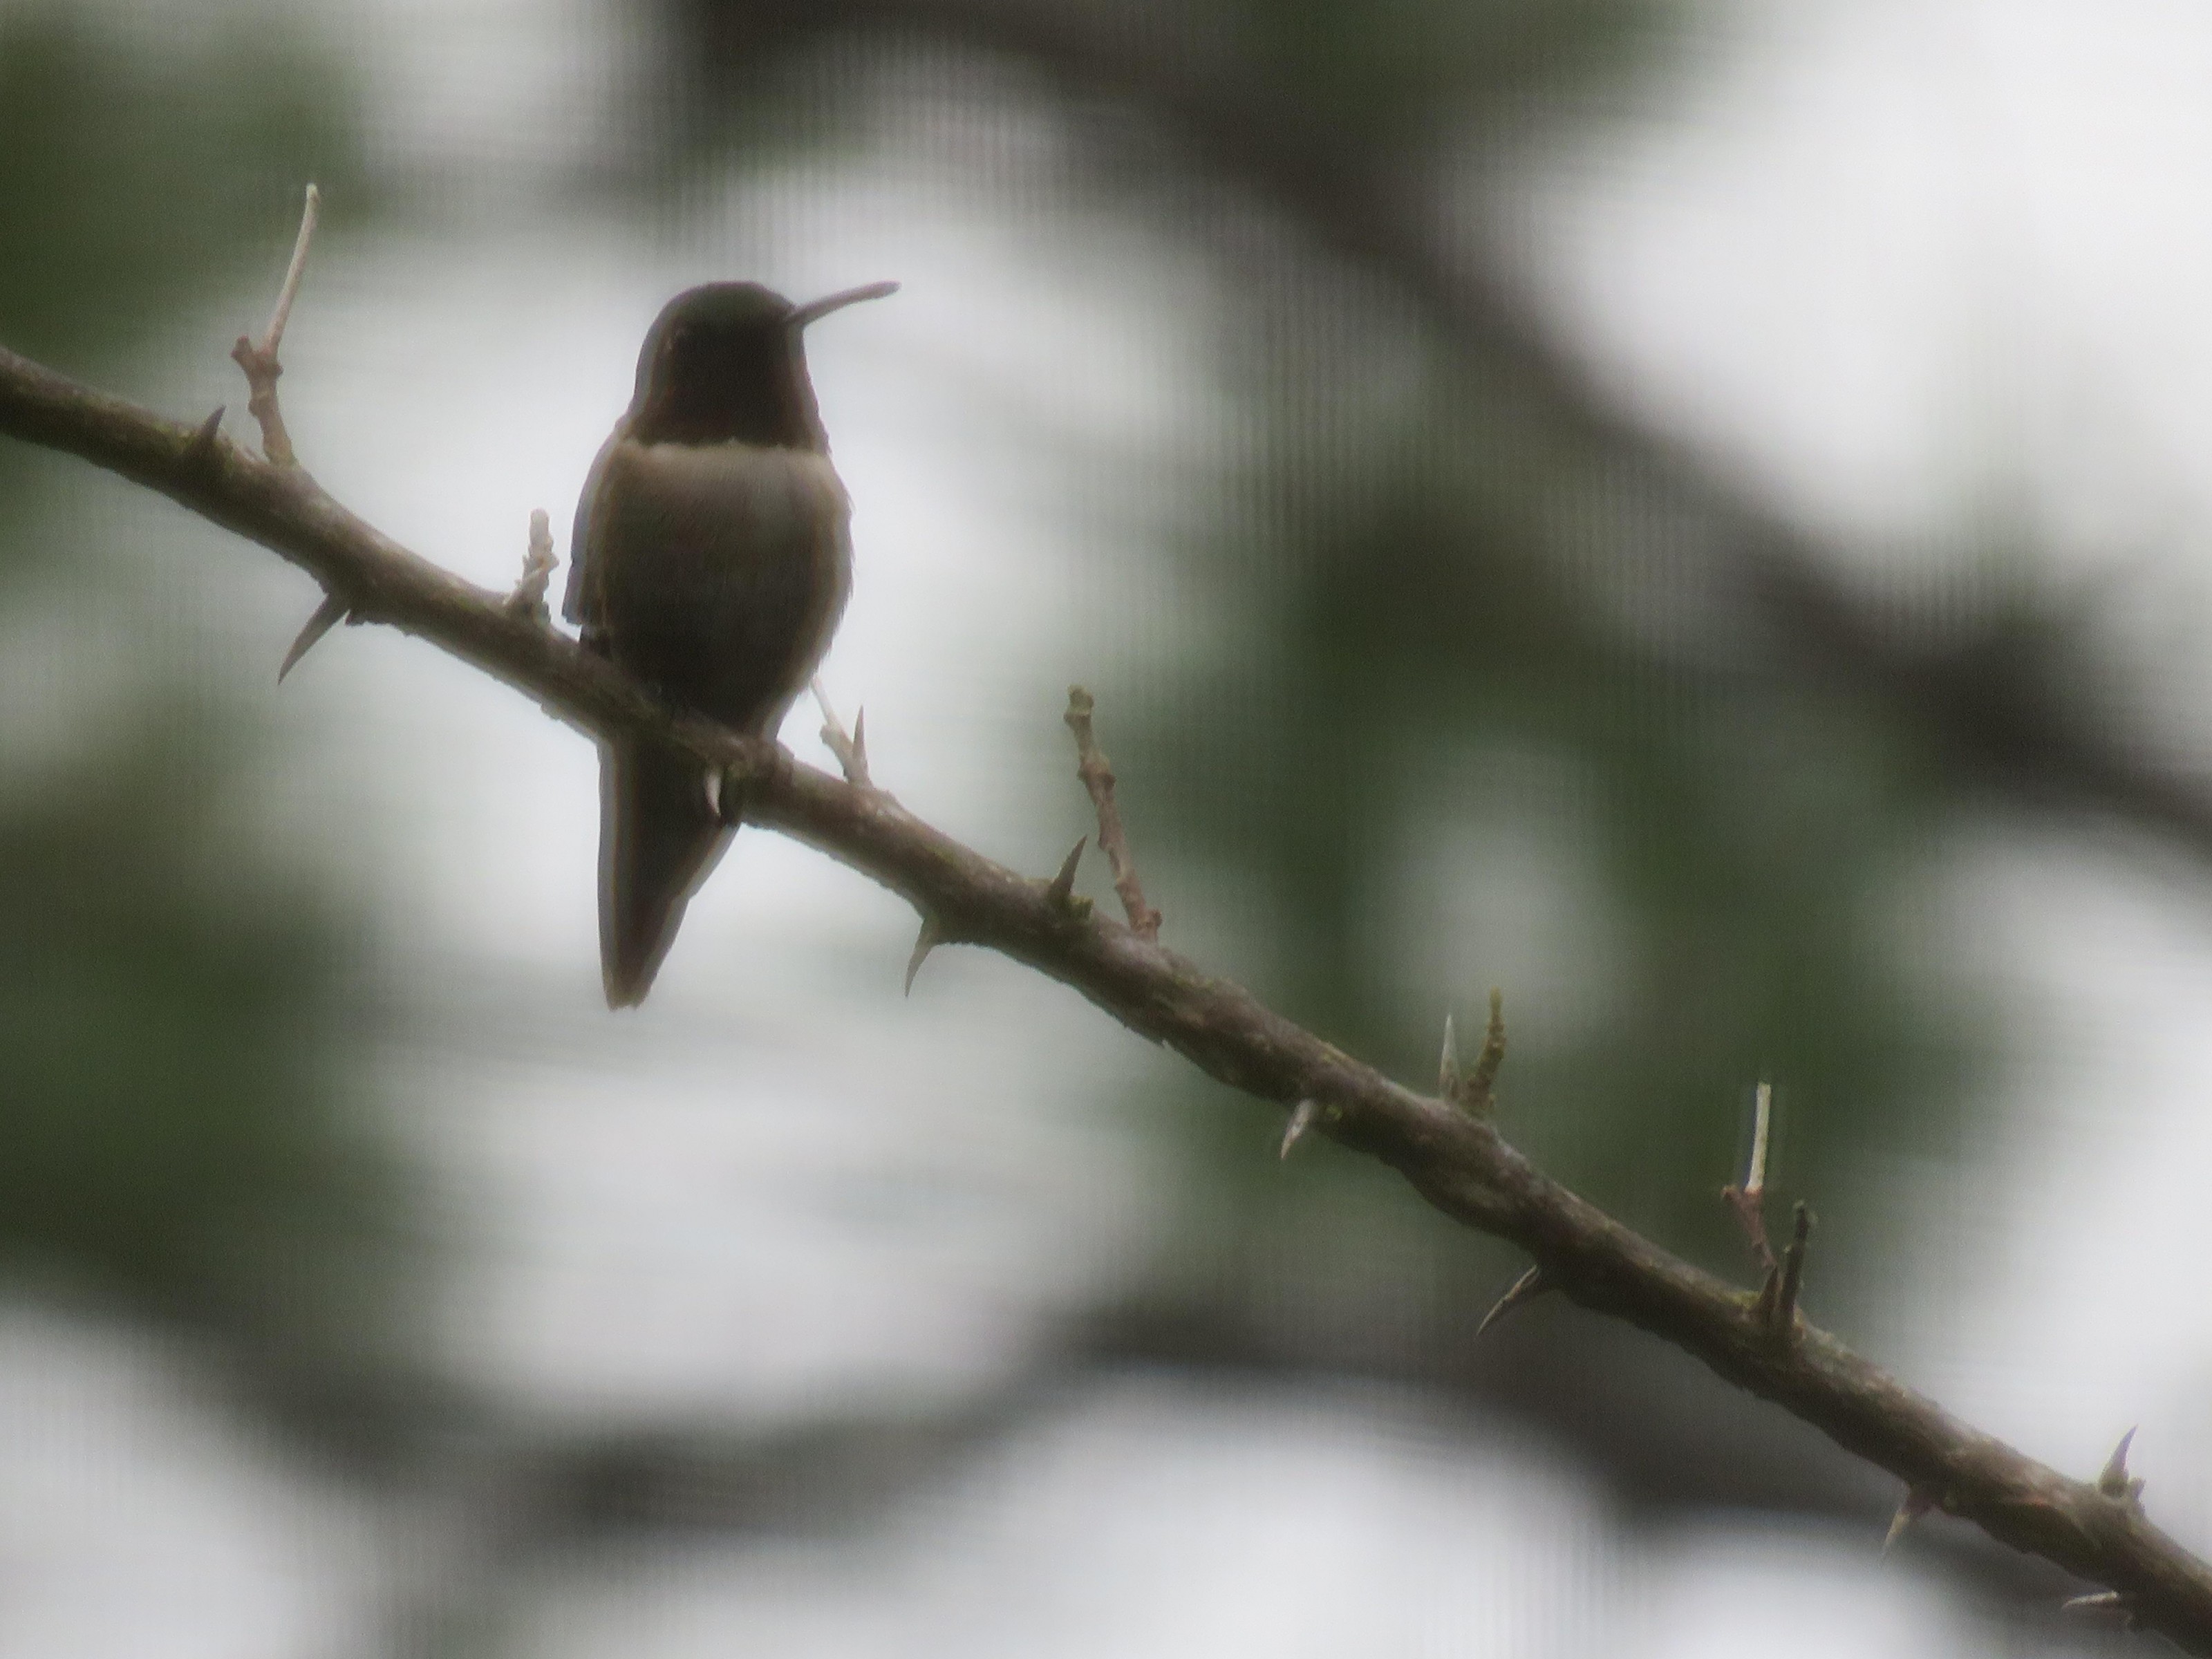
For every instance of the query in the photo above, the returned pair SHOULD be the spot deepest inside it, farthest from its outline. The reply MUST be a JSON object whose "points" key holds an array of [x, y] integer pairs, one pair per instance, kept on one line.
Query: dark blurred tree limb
{"points": [[1368, 187], [1458, 1162]]}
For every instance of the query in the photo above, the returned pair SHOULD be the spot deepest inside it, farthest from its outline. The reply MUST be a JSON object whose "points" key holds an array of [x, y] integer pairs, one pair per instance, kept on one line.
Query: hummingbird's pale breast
{"points": [[721, 571]]}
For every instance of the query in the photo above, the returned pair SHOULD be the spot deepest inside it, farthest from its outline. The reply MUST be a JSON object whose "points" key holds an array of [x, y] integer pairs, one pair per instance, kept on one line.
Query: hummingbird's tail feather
{"points": [[659, 836]]}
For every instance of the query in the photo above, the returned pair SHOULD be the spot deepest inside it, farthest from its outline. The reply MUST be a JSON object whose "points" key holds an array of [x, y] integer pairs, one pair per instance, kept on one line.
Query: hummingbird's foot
{"points": [[726, 797]]}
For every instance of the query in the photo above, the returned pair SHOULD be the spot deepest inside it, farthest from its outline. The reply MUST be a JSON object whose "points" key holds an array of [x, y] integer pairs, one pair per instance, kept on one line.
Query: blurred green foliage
{"points": [[1406, 71], [1422, 663], [136, 175], [172, 1039], [174, 1008]]}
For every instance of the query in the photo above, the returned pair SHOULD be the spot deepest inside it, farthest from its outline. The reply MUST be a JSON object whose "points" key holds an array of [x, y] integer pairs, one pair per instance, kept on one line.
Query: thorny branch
{"points": [[260, 365], [1456, 1159]]}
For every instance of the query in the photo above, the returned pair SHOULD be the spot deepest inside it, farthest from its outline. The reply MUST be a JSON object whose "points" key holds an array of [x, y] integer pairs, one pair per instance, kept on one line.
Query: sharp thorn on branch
{"points": [[1782, 1312], [1448, 1066], [1304, 1117], [931, 936], [1915, 1503], [860, 747], [2114, 1480], [328, 614], [726, 789], [1060, 891], [200, 454], [1525, 1289], [2104, 1608]]}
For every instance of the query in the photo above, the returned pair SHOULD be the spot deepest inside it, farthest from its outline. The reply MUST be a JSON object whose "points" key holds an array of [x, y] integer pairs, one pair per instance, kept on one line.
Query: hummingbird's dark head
{"points": [[725, 362]]}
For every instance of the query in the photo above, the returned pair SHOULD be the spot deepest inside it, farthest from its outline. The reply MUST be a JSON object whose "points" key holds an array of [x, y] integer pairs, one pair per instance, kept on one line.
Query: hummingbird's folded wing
{"points": [[581, 604]]}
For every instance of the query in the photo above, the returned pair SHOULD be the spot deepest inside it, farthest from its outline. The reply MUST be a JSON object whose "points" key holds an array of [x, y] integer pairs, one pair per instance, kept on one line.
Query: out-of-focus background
{"points": [[1687, 511]]}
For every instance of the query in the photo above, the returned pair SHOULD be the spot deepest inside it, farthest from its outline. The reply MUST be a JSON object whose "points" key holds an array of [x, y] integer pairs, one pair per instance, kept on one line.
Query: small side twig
{"points": [[1749, 1199], [1481, 1093], [1476, 1092], [1098, 777], [528, 599], [259, 361], [852, 752]]}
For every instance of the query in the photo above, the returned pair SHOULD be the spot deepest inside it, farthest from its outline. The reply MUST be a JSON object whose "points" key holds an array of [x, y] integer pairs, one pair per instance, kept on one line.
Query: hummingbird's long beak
{"points": [[815, 310]]}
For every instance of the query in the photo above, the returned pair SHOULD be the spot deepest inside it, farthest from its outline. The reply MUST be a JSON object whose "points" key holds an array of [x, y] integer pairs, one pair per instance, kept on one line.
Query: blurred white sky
{"points": [[1907, 253], [1898, 259]]}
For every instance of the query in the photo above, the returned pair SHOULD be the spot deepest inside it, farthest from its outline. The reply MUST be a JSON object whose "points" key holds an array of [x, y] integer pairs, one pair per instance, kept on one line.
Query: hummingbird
{"points": [[711, 560]]}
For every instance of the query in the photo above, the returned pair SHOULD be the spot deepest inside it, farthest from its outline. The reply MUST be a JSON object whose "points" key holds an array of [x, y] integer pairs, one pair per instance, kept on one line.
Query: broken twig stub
{"points": [[1749, 1201], [1090, 766]]}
